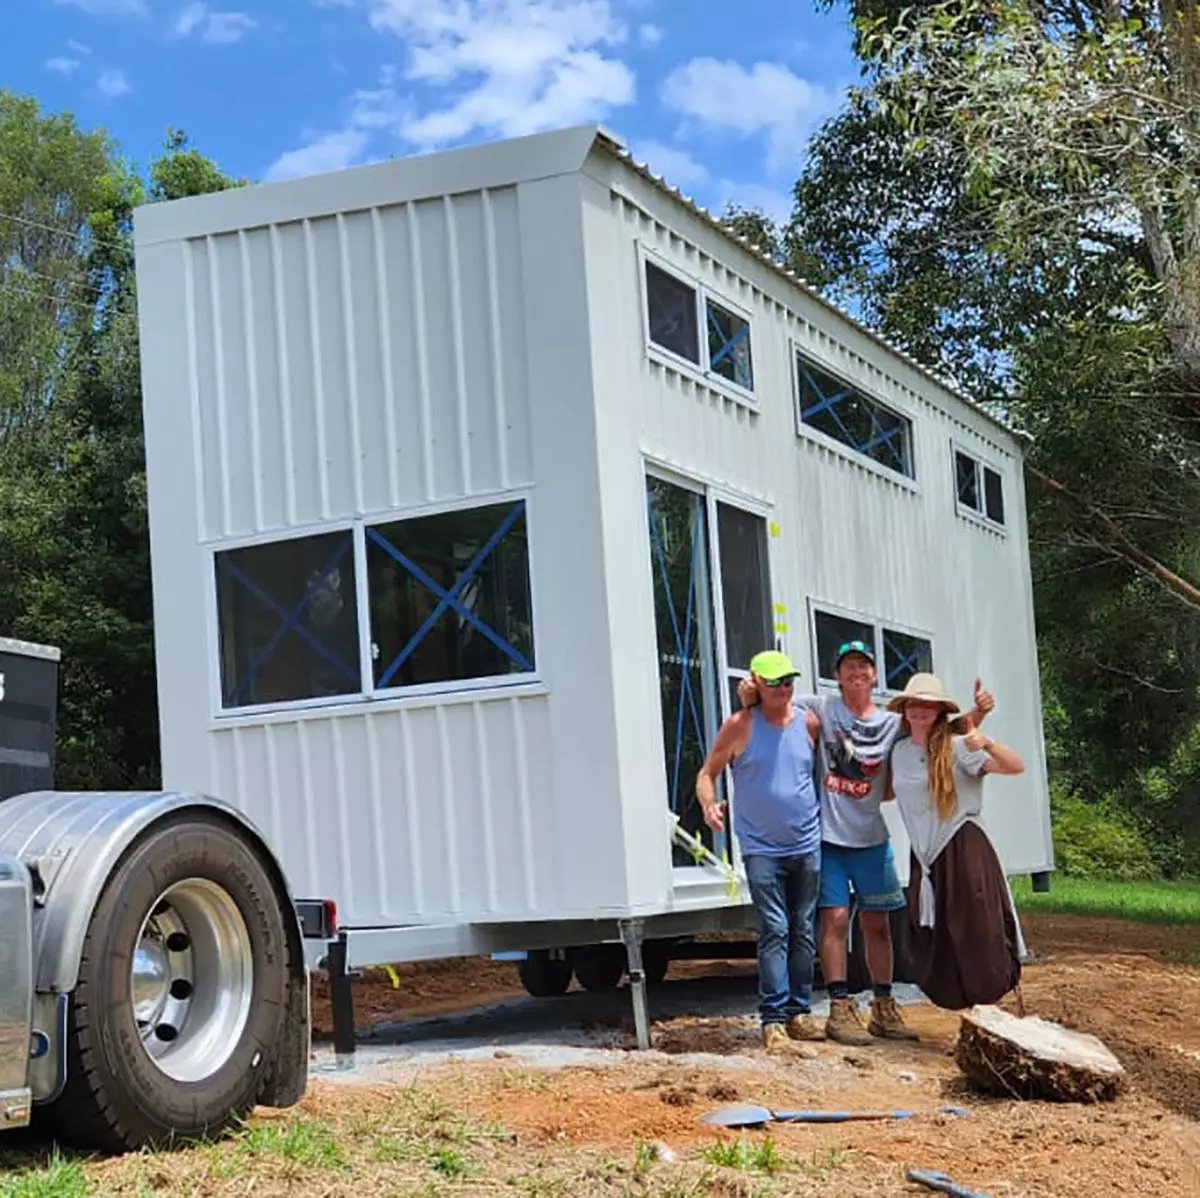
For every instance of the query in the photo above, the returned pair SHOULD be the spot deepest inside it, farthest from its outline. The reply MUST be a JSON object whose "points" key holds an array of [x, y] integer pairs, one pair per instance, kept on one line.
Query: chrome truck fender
{"points": [[71, 843]]}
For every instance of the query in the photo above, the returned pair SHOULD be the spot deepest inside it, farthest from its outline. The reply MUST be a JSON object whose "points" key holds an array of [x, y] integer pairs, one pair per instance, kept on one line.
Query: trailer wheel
{"points": [[544, 976], [600, 966], [181, 993]]}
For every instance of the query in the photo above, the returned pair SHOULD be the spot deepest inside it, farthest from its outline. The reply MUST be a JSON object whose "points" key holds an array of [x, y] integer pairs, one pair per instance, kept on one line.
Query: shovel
{"points": [[932, 1180], [757, 1116]]}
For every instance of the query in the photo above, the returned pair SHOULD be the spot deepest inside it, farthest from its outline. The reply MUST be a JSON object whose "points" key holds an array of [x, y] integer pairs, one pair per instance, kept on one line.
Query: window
{"points": [[745, 586], [687, 649], [903, 656], [450, 597], [898, 654], [978, 487], [288, 620], [672, 310], [844, 413], [833, 632], [729, 346], [675, 310]]}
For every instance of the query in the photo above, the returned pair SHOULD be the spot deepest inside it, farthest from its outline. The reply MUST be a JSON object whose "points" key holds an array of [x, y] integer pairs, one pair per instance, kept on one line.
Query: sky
{"points": [[719, 96]]}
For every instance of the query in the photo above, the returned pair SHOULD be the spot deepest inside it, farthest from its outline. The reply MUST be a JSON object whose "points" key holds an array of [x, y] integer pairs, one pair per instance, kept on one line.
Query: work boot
{"points": [[775, 1037], [887, 1023], [845, 1024], [776, 1040], [804, 1027]]}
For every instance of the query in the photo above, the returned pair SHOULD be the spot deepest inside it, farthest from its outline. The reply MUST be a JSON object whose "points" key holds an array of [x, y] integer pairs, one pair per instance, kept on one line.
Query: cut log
{"points": [[1033, 1058]]}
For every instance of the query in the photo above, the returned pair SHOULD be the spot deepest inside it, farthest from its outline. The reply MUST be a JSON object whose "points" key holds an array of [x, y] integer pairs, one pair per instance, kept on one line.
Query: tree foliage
{"points": [[74, 552]]}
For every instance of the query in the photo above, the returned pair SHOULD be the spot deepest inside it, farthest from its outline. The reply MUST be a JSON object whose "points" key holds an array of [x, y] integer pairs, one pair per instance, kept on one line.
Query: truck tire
{"points": [[544, 976], [181, 993], [599, 966]]}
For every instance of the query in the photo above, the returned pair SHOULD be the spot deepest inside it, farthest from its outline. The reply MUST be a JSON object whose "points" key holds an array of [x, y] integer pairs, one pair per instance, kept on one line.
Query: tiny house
{"points": [[475, 480]]}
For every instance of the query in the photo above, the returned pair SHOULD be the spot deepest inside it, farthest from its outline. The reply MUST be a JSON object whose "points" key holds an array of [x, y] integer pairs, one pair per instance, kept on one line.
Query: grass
{"points": [[1141, 902]]}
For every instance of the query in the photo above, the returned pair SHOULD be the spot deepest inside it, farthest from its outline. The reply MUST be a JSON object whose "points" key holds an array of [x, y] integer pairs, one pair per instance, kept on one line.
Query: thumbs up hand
{"points": [[985, 701], [974, 739]]}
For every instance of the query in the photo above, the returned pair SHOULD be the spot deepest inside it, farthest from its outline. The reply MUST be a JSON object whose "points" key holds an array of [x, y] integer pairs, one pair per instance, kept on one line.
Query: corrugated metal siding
{"points": [[851, 535], [425, 812], [358, 363]]}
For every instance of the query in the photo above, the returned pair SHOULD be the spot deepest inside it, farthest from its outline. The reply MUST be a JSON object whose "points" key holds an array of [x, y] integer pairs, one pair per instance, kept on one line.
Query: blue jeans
{"points": [[784, 892]]}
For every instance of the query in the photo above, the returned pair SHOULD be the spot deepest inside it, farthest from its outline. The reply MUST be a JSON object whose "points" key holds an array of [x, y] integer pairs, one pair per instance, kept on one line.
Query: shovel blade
{"points": [[738, 1116]]}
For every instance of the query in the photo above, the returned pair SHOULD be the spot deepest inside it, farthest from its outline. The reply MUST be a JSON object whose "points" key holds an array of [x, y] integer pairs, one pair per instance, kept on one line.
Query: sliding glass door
{"points": [[712, 612]]}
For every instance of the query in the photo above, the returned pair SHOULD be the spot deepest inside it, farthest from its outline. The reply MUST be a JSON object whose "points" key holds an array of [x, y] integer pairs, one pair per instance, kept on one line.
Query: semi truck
{"points": [[152, 969]]}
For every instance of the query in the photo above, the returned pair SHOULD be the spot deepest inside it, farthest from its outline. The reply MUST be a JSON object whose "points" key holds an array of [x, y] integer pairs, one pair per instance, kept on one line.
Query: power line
{"points": [[22, 272], [60, 232]]}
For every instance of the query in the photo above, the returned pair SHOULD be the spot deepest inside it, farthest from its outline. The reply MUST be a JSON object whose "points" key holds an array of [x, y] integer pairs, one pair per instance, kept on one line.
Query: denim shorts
{"points": [[870, 872]]}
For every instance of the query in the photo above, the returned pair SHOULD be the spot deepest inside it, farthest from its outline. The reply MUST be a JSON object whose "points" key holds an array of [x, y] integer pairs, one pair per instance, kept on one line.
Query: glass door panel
{"points": [[687, 654]]}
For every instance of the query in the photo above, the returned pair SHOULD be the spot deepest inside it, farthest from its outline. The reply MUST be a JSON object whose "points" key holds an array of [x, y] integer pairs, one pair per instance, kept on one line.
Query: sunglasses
{"points": [[779, 682]]}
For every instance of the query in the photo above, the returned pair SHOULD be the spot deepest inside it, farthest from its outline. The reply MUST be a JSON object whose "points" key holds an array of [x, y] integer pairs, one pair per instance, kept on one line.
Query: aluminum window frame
{"points": [[798, 351], [879, 624], [368, 695], [701, 371], [964, 510]]}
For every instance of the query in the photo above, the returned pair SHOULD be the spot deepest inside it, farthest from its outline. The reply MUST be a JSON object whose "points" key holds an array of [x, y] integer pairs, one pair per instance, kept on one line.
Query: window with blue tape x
{"points": [[841, 411], [288, 620], [450, 596]]}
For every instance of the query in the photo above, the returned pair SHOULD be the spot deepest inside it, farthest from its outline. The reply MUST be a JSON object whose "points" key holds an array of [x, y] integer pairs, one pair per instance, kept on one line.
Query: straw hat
{"points": [[928, 688]]}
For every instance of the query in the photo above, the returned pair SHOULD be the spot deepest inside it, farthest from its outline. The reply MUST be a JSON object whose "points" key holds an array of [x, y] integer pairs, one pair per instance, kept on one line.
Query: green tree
{"points": [[74, 552]]}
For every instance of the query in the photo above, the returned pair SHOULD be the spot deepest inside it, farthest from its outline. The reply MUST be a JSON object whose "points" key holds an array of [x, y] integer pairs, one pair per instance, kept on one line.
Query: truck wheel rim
{"points": [[192, 980]]}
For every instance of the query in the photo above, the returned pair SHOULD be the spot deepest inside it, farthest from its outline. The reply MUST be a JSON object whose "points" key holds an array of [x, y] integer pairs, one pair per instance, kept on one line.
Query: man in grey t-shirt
{"points": [[856, 852]]}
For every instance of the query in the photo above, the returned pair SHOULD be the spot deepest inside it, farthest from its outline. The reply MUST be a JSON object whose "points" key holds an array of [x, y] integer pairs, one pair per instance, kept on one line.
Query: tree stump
{"points": [[1032, 1058]]}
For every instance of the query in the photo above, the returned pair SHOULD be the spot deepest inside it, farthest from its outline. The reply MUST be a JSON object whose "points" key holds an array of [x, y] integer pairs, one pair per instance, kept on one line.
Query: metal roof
{"points": [[615, 145]]}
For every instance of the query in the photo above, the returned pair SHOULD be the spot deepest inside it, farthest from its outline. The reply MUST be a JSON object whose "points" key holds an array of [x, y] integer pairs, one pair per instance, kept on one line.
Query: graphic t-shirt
{"points": [[852, 756]]}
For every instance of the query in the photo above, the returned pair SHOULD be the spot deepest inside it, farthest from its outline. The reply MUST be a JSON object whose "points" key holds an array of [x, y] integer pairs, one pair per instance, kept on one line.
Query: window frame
{"points": [[492, 681], [978, 515], [702, 292], [878, 625], [225, 714], [713, 493], [368, 696], [826, 441]]}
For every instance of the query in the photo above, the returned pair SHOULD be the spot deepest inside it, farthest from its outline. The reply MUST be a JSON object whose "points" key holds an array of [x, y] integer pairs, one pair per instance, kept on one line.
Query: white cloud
{"points": [[110, 8], [677, 167], [775, 203], [766, 98], [681, 170], [510, 67], [78, 47], [113, 84], [650, 35], [326, 152], [216, 28], [61, 66]]}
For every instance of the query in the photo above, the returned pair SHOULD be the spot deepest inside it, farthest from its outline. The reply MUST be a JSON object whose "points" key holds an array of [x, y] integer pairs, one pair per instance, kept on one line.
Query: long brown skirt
{"points": [[970, 956]]}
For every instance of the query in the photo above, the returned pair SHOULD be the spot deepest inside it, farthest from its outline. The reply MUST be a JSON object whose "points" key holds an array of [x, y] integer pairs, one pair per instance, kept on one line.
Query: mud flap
{"points": [[16, 992]]}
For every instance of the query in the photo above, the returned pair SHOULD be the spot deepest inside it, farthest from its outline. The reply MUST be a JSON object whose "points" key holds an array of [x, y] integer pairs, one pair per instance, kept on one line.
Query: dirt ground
{"points": [[1135, 986]]}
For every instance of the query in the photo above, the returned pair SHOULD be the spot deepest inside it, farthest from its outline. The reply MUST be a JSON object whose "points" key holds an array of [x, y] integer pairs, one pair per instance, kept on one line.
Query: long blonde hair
{"points": [[939, 753]]}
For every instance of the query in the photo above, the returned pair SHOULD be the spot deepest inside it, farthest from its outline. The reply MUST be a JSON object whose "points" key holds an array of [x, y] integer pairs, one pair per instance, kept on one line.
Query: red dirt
{"points": [[1120, 981]]}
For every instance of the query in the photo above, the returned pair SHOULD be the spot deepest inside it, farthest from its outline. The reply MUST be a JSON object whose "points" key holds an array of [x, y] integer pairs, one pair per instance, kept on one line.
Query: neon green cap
{"points": [[771, 665]]}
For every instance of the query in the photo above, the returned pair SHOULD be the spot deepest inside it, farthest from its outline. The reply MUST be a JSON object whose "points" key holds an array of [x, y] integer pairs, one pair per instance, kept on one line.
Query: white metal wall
{"points": [[329, 367], [851, 535]]}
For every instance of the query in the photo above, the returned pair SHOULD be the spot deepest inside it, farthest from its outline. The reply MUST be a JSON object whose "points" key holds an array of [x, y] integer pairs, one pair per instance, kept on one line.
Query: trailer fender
{"points": [[72, 842]]}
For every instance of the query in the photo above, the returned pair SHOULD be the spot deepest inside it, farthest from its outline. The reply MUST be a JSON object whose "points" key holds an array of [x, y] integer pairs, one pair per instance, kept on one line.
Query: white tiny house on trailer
{"points": [[474, 481]]}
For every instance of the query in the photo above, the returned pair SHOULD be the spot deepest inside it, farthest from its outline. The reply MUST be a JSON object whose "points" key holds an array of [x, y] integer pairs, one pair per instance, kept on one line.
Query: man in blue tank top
{"points": [[777, 820]]}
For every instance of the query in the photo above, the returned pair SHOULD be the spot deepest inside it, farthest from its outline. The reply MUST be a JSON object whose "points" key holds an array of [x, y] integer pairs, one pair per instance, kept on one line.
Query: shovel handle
{"points": [[939, 1182]]}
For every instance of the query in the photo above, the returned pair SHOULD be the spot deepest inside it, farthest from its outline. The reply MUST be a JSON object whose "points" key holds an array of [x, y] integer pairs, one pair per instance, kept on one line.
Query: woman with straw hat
{"points": [[965, 941]]}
